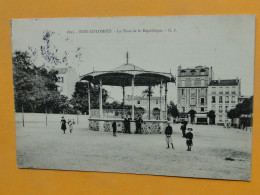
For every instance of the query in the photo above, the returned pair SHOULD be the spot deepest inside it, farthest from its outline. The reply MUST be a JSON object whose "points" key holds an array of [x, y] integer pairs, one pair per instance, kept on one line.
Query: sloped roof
{"points": [[122, 76], [127, 67], [228, 82]]}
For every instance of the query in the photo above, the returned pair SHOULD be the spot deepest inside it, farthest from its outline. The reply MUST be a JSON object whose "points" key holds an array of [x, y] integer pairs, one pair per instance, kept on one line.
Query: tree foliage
{"points": [[172, 109], [80, 97], [246, 107], [35, 88], [211, 114]]}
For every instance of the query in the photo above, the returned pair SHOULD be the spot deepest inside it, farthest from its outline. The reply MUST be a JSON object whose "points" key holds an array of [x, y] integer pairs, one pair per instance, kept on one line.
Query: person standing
{"points": [[114, 128], [138, 123], [168, 134], [189, 137], [63, 124], [70, 123], [183, 129], [127, 125]]}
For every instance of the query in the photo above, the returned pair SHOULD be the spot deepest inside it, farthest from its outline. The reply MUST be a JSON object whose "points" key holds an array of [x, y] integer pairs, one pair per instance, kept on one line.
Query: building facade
{"points": [[143, 101], [192, 91], [67, 78], [223, 95]]}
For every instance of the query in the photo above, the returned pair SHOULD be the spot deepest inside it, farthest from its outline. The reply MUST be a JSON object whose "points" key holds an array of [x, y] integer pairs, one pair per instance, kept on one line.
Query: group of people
{"points": [[127, 120], [70, 122], [188, 136]]}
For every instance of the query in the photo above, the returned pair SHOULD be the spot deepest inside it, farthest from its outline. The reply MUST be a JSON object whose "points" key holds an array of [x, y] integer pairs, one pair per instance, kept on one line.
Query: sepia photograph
{"points": [[157, 95]]}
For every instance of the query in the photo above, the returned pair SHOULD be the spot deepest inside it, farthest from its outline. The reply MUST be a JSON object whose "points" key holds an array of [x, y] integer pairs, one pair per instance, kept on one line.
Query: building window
{"points": [[182, 91], [220, 109], [182, 101], [220, 99], [192, 72], [220, 117], [227, 99], [192, 82], [193, 91], [157, 101], [233, 99], [183, 109], [197, 82], [213, 90], [202, 109], [188, 83], [227, 90], [183, 72], [183, 83], [60, 79], [202, 101], [202, 82], [192, 101], [221, 90], [226, 108], [213, 99], [203, 91], [138, 102], [233, 90]]}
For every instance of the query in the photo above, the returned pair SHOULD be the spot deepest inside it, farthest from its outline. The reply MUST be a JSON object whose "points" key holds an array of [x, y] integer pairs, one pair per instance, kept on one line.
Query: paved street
{"points": [[216, 153]]}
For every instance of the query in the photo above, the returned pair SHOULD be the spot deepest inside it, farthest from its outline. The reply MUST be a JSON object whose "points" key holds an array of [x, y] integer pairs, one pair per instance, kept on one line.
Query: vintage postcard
{"points": [[169, 95]]}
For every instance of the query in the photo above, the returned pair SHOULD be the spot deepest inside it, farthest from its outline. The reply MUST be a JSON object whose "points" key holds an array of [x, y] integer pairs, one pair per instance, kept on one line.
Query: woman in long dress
{"points": [[63, 124]]}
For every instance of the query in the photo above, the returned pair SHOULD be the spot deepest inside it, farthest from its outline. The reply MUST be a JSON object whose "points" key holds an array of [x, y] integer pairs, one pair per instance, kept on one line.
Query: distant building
{"points": [[242, 98], [67, 78], [223, 95], [192, 91], [143, 101]]}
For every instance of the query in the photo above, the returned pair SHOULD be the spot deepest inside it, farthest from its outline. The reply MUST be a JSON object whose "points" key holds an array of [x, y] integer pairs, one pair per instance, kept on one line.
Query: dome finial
{"points": [[127, 57]]}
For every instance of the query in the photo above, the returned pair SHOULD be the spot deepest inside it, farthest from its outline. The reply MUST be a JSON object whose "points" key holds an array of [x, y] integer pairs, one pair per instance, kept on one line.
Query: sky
{"points": [[162, 43]]}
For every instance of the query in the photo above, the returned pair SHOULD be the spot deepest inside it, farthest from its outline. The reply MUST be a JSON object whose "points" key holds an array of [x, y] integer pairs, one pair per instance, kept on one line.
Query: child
{"points": [[168, 133], [114, 128], [189, 137], [70, 123]]}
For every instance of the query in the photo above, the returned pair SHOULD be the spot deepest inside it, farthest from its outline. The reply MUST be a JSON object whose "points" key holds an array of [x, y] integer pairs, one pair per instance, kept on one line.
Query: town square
{"points": [[120, 99]]}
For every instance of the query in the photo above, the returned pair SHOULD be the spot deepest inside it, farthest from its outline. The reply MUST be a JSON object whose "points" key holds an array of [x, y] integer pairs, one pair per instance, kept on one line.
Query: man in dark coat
{"points": [[138, 123], [114, 128], [183, 129], [189, 137], [168, 133], [127, 125]]}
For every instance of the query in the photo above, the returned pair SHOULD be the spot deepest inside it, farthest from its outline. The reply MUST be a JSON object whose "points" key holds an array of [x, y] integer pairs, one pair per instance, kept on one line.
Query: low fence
{"points": [[120, 113], [51, 118]]}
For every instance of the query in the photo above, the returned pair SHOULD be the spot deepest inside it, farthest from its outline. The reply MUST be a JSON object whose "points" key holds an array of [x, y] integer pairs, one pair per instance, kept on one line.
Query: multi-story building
{"points": [[67, 78], [192, 91], [223, 95]]}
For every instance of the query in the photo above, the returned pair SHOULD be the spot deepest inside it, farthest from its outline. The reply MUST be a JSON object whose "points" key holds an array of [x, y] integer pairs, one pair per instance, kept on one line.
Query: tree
{"points": [[192, 114], [80, 97], [148, 93], [172, 110], [246, 107], [35, 88], [211, 114]]}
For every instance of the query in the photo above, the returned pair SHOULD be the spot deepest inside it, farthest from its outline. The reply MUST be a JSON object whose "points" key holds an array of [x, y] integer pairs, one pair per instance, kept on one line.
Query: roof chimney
{"points": [[237, 80]]}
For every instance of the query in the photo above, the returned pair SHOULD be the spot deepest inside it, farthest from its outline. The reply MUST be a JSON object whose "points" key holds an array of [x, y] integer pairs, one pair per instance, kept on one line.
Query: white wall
{"points": [[51, 118]]}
